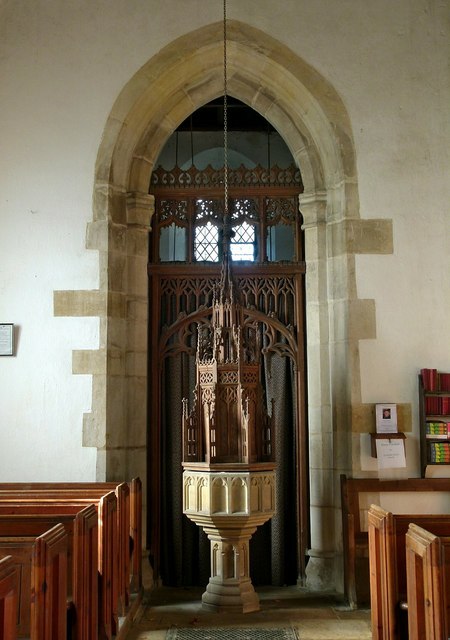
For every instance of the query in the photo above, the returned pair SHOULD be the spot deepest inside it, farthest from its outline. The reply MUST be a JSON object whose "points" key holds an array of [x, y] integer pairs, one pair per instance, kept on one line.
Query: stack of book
{"points": [[429, 379], [433, 405], [437, 384], [438, 430], [440, 452]]}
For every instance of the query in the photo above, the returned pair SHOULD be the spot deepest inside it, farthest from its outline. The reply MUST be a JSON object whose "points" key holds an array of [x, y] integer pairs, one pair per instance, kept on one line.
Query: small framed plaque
{"points": [[386, 418], [6, 339]]}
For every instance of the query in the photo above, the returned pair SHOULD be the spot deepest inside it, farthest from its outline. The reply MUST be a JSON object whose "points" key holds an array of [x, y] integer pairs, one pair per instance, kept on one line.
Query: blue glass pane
{"points": [[280, 243], [172, 244]]}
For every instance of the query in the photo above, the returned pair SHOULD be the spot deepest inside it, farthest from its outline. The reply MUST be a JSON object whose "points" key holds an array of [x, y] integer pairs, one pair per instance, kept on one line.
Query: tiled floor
{"points": [[314, 617]]}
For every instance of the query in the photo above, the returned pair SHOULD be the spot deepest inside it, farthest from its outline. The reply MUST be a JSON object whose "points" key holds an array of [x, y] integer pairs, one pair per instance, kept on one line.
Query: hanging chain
{"points": [[225, 108]]}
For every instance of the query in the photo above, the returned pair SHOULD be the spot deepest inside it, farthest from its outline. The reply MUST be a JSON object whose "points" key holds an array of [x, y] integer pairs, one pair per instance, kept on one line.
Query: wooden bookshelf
{"points": [[434, 407]]}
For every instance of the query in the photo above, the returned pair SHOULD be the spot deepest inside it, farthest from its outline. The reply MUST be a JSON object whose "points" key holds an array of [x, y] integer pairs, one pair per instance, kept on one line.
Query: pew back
{"points": [[8, 599], [390, 589], [124, 544], [85, 573], [437, 525], [99, 523], [19, 549], [39, 566], [382, 574], [129, 508], [49, 585], [65, 501], [355, 536], [425, 565]]}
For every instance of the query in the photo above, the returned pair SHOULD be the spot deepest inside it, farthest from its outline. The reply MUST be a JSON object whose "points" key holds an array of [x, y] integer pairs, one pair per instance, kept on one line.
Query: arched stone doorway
{"points": [[306, 110]]}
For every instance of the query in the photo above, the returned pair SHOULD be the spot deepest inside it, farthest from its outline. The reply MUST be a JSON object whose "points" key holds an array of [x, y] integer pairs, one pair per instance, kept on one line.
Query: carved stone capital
{"points": [[140, 209]]}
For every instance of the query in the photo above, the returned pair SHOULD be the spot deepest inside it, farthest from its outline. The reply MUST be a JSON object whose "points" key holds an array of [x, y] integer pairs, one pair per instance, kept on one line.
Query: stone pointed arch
{"points": [[311, 117], [304, 108]]}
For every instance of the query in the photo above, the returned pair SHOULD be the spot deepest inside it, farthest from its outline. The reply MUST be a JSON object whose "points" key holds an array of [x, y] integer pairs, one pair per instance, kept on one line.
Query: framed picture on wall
{"points": [[386, 418], [6, 339]]}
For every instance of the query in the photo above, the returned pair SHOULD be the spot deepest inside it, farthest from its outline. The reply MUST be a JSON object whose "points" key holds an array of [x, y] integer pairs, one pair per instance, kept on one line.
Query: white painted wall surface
{"points": [[62, 66]]}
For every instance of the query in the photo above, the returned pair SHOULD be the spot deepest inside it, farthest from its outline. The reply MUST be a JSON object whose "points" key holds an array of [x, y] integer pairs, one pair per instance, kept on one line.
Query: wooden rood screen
{"points": [[187, 245]]}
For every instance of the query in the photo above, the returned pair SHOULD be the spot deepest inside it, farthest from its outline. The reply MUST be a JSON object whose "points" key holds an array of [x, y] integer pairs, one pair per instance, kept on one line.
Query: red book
{"points": [[444, 379], [432, 405], [445, 406], [429, 379]]}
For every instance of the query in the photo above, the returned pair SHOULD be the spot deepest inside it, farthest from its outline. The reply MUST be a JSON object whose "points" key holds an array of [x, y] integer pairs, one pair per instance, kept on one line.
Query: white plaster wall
{"points": [[406, 152], [62, 66]]}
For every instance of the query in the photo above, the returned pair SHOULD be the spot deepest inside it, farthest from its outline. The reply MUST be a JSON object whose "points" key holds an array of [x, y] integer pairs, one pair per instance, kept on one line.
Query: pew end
{"points": [[8, 599], [356, 496], [49, 586], [426, 589]]}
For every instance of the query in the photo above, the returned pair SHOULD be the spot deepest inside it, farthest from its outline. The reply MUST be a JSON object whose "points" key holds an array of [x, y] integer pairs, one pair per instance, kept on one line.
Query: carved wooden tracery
{"points": [[192, 201], [269, 299], [181, 292]]}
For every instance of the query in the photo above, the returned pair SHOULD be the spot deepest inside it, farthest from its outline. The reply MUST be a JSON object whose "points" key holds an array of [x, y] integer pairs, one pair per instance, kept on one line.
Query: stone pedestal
{"points": [[229, 506], [320, 570]]}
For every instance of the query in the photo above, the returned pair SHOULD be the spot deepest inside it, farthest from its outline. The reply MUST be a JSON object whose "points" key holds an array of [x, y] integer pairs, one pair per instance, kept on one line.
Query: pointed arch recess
{"points": [[309, 114]]}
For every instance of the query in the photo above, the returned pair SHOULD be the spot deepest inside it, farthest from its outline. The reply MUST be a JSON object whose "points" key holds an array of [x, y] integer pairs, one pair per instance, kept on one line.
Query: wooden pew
{"points": [[8, 599], [129, 506], [388, 572], [49, 585], [29, 520], [426, 562], [107, 557], [382, 576], [17, 534], [46, 558], [129, 536], [136, 534], [85, 576], [19, 548], [67, 501], [355, 538]]}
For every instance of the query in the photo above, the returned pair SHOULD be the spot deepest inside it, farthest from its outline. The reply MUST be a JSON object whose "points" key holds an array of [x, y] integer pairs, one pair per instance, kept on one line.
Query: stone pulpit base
{"points": [[229, 506]]}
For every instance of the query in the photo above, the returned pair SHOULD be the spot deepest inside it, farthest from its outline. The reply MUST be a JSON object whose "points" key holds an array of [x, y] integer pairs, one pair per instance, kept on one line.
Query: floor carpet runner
{"points": [[230, 633]]}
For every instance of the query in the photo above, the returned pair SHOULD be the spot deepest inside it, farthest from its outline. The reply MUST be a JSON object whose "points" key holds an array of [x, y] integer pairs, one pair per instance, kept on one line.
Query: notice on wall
{"points": [[386, 418], [391, 453], [6, 339]]}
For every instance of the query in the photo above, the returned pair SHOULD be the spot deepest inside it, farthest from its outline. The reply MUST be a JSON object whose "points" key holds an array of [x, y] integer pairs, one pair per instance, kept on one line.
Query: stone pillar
{"points": [[320, 568], [140, 209], [230, 587]]}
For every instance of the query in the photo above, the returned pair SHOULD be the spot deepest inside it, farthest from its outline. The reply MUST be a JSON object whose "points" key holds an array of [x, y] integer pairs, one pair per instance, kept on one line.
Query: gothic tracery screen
{"points": [[264, 216], [184, 268]]}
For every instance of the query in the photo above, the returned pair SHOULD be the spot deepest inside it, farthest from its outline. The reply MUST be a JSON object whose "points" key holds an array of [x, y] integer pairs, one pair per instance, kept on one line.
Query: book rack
{"points": [[434, 406]]}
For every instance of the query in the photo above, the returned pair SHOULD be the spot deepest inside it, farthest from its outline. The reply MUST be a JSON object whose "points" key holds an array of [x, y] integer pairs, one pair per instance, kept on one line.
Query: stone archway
{"points": [[310, 116]]}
